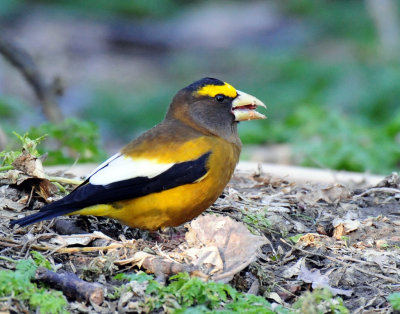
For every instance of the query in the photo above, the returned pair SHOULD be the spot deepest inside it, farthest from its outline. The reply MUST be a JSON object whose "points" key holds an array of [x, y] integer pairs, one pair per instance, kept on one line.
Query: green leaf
{"points": [[27, 268], [40, 260], [394, 300], [295, 238], [139, 277], [48, 302]]}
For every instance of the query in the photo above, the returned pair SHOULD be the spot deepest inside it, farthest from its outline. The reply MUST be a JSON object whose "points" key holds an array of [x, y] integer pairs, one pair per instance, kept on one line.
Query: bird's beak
{"points": [[244, 107]]}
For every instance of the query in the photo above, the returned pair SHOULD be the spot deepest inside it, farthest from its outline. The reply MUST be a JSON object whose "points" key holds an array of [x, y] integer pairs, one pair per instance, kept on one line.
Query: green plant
{"points": [[346, 240], [29, 145], [394, 300], [40, 260], [256, 219], [18, 285], [69, 141], [193, 295], [319, 301], [296, 238]]}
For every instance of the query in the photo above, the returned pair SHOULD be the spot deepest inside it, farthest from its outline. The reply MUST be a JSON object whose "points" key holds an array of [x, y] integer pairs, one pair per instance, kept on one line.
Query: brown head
{"points": [[212, 106]]}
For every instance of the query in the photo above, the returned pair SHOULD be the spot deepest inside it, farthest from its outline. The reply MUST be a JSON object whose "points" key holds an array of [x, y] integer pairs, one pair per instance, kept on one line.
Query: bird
{"points": [[171, 173]]}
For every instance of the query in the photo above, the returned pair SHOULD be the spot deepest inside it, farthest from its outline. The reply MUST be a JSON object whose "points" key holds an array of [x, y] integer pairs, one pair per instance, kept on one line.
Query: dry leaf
{"points": [[30, 165], [71, 240], [13, 177], [274, 296], [331, 194], [312, 239], [294, 270], [80, 239], [208, 256], [233, 242], [318, 280], [339, 232], [343, 227], [6, 203]]}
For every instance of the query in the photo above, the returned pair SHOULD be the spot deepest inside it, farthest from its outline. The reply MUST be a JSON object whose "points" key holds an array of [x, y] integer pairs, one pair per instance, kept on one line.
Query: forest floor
{"points": [[264, 236]]}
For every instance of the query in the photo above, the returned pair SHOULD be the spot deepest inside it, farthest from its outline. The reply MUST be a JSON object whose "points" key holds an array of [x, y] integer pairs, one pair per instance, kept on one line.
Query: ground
{"points": [[305, 236]]}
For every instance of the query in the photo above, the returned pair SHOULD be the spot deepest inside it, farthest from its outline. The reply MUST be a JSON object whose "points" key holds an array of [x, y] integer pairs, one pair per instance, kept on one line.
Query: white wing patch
{"points": [[119, 168], [103, 165]]}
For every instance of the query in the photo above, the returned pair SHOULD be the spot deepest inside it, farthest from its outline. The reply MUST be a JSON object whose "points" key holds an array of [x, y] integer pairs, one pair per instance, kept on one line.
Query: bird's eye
{"points": [[220, 97]]}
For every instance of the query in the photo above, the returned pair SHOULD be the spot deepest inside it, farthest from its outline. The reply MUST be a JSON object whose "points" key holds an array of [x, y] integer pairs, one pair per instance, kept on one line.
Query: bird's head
{"points": [[214, 105]]}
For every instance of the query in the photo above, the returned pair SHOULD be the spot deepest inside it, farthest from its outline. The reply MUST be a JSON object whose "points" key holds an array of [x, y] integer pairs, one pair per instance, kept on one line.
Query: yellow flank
{"points": [[177, 205], [95, 210], [213, 90]]}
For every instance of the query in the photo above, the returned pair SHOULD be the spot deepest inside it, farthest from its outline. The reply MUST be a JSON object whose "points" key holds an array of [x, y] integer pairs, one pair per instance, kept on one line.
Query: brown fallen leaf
{"points": [[318, 280], [79, 239], [13, 177], [235, 245], [331, 194], [343, 227], [339, 232], [29, 171], [313, 239], [29, 164], [209, 257], [217, 248], [9, 204]]}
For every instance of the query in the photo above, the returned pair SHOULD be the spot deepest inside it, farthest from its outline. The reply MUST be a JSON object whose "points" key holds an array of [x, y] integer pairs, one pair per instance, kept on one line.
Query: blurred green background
{"points": [[329, 72]]}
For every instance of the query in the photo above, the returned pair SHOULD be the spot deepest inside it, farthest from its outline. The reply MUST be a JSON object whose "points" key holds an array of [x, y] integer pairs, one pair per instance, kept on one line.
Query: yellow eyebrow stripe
{"points": [[213, 90]]}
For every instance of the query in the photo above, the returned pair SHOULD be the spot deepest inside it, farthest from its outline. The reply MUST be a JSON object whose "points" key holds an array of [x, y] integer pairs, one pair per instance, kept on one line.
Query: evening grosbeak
{"points": [[171, 173]]}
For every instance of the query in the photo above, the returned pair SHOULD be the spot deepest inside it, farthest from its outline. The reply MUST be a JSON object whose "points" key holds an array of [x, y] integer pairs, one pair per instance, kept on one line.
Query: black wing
{"points": [[90, 194]]}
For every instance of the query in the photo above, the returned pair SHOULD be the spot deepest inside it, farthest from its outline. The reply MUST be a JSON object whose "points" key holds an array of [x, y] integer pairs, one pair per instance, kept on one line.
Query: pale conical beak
{"points": [[244, 107]]}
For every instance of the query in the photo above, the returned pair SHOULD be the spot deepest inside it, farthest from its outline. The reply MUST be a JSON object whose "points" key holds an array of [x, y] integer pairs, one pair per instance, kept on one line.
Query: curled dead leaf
{"points": [[343, 227], [216, 248], [236, 245], [30, 165], [312, 239], [331, 194], [319, 280]]}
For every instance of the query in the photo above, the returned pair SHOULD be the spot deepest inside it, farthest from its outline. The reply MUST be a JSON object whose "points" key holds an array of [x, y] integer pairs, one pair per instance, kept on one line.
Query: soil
{"points": [[346, 239]]}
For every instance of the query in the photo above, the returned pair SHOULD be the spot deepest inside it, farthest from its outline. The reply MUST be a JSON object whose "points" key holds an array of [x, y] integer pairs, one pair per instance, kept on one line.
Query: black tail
{"points": [[39, 216], [74, 201], [47, 212]]}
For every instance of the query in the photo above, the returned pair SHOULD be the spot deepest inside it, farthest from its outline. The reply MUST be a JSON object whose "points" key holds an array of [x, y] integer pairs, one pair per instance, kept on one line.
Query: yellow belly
{"points": [[178, 205]]}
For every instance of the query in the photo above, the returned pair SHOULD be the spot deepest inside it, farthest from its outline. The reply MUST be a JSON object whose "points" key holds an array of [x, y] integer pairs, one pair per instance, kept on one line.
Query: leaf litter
{"points": [[264, 235]]}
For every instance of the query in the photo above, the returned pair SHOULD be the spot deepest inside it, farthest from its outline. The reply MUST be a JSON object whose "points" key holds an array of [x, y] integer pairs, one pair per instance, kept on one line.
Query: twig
{"points": [[69, 250], [6, 168], [46, 93], [384, 14], [3, 139], [375, 190], [65, 180], [59, 186], [71, 285], [343, 263], [4, 258]]}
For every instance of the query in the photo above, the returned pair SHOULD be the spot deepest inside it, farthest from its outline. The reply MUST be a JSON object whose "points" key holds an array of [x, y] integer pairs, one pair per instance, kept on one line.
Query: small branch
{"points": [[46, 93], [10, 260], [60, 187], [384, 14], [378, 190], [6, 168], [3, 139], [71, 285], [65, 180]]}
